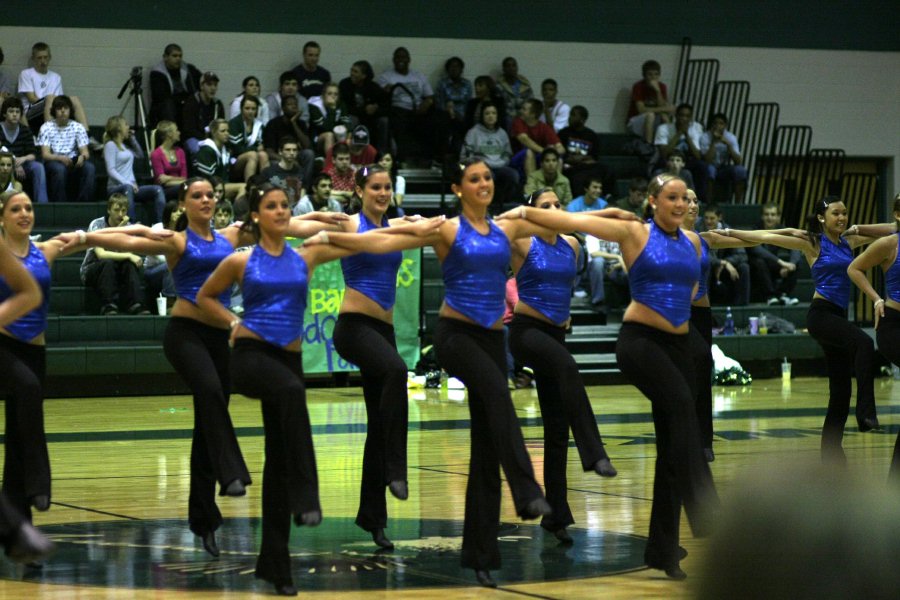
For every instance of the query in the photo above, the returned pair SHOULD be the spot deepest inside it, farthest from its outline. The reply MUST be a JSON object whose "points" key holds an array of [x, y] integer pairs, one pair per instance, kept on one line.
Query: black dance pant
{"points": [[370, 345], [26, 464], [477, 357], [701, 326], [888, 337], [847, 350], [290, 481], [199, 354], [564, 404], [659, 364]]}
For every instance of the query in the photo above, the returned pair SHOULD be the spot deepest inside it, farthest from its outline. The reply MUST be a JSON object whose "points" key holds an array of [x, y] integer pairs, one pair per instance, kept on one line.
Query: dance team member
{"points": [[23, 363], [664, 267], [364, 336], [19, 295], [883, 253], [847, 348], [268, 365], [545, 269], [197, 345], [474, 253]]}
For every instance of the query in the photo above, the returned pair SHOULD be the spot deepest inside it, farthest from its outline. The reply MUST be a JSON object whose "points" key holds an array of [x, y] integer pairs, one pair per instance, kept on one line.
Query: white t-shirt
{"points": [[40, 84]]}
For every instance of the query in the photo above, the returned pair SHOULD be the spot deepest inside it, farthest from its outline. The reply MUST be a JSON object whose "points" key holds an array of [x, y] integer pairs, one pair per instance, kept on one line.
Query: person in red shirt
{"points": [[529, 136], [342, 174], [650, 104]]}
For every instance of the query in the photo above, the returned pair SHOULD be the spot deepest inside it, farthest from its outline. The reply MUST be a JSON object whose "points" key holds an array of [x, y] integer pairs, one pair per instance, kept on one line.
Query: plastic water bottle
{"points": [[729, 322], [763, 325]]}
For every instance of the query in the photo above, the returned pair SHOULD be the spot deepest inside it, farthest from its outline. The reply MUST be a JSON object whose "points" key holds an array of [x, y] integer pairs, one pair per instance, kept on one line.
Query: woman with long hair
{"points": [[545, 269], [168, 160], [8, 181], [883, 253], [268, 365], [847, 348], [197, 345], [663, 264], [249, 87], [119, 151]]}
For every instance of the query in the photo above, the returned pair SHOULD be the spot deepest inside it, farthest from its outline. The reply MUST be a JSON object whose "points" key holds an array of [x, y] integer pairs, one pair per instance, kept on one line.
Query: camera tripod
{"points": [[135, 80]]}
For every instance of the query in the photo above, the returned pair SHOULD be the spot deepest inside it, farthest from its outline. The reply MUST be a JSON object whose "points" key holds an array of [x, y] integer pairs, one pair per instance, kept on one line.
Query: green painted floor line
{"points": [[463, 424]]}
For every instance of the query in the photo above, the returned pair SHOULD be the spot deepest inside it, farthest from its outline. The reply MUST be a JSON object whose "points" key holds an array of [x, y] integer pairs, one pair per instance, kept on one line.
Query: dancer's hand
{"points": [[879, 311]]}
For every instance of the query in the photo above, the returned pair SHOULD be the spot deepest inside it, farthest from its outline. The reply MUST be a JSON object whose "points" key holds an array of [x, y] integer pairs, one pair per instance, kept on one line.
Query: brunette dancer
{"points": [[545, 268]]}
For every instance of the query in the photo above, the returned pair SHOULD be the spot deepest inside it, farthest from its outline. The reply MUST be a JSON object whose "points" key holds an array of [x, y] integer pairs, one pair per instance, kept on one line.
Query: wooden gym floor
{"points": [[120, 488]]}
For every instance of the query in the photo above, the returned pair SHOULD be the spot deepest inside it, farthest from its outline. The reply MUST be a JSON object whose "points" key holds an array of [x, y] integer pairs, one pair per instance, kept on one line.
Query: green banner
{"points": [[326, 290]]}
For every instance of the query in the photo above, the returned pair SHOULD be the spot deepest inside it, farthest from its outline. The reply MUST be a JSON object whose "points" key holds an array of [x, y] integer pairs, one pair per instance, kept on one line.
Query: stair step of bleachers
{"points": [[94, 329]]}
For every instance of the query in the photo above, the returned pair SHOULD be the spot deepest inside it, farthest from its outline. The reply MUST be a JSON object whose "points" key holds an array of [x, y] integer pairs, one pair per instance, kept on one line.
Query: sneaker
{"points": [[788, 301], [580, 294], [109, 309], [138, 309], [773, 301]]}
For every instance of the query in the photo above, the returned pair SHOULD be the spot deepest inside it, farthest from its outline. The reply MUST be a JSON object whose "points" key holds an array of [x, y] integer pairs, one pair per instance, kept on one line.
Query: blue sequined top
{"points": [[274, 290], [200, 259], [475, 273], [892, 280], [830, 271], [546, 277], [703, 288], [373, 275], [664, 274], [30, 325]]}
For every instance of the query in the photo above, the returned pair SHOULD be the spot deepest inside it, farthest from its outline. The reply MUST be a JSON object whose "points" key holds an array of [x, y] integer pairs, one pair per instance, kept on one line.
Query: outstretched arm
{"points": [[26, 294], [874, 230], [378, 241], [717, 241], [874, 255], [764, 236], [613, 230]]}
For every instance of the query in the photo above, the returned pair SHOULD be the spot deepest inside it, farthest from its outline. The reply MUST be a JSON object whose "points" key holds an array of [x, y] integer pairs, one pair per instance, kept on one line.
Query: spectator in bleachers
{"points": [[214, 160], [289, 124], [326, 121], [224, 215], [420, 130], [366, 101], [515, 89], [582, 152], [591, 199], [319, 198], [172, 82], [168, 160], [549, 176], [64, 149], [342, 174], [119, 150], [773, 269], [250, 87], [201, 109], [286, 172], [675, 166], [606, 264], [16, 137], [722, 156], [288, 87], [245, 141], [529, 137], [38, 86], [452, 95], [311, 76], [218, 187], [385, 160], [485, 92], [649, 106], [729, 269], [637, 195], [489, 142], [556, 112], [116, 276], [684, 135], [8, 182], [7, 89], [362, 153], [157, 277]]}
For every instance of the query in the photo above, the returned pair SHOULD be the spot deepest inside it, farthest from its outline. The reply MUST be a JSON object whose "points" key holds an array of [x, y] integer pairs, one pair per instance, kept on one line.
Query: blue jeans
{"points": [[59, 176], [145, 193], [598, 273], [34, 172], [159, 281]]}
